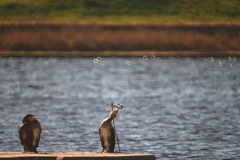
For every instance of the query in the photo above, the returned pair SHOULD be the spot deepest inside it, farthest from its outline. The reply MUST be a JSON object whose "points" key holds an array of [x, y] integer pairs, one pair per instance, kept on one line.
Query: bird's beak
{"points": [[35, 116]]}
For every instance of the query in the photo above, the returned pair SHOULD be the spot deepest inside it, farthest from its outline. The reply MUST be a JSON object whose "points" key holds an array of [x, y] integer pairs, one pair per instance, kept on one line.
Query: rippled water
{"points": [[175, 108]]}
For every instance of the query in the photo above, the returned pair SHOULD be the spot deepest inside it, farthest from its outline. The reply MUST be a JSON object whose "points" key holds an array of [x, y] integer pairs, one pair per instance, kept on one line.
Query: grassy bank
{"points": [[120, 25], [121, 11], [99, 37]]}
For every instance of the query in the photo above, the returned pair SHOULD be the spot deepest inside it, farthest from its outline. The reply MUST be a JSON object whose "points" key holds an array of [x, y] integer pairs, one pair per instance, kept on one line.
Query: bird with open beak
{"points": [[107, 132]]}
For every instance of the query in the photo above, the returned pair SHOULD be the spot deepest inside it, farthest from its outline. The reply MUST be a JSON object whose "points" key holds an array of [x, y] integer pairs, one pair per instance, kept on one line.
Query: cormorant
{"points": [[107, 133], [29, 133]]}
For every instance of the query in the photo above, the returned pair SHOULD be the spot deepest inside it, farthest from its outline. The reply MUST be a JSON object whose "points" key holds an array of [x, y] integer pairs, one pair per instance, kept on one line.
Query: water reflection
{"points": [[175, 107]]}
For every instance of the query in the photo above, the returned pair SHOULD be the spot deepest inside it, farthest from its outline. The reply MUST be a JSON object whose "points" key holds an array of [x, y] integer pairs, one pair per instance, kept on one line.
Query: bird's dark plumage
{"points": [[107, 133], [29, 133]]}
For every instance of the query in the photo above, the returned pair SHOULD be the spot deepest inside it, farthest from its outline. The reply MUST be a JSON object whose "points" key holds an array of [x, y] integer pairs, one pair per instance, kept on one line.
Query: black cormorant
{"points": [[29, 133]]}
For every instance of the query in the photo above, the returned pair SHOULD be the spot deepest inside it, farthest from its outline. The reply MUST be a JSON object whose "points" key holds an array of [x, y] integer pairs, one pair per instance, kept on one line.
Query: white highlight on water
{"points": [[229, 58], [220, 64], [99, 59], [128, 63], [95, 60], [55, 61], [153, 57], [145, 57]]}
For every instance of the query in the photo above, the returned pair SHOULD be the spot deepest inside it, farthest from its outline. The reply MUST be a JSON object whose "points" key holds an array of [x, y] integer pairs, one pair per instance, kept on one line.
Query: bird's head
{"points": [[29, 117], [120, 106]]}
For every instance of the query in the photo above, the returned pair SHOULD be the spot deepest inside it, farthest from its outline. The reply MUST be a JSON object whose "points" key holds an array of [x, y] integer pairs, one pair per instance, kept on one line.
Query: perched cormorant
{"points": [[107, 133], [29, 133]]}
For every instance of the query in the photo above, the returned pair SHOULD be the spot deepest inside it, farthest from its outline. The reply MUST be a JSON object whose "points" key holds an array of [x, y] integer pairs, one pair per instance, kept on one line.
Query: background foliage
{"points": [[120, 10]]}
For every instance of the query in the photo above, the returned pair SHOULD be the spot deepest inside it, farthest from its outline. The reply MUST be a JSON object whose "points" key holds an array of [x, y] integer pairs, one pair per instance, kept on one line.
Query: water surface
{"points": [[175, 108]]}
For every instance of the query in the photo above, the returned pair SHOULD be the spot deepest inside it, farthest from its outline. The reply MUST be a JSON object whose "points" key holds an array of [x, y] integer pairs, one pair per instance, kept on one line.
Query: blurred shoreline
{"points": [[146, 54], [90, 39]]}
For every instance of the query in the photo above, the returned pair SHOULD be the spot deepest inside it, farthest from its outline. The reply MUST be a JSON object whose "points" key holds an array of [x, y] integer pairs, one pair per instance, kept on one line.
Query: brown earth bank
{"points": [[122, 37]]}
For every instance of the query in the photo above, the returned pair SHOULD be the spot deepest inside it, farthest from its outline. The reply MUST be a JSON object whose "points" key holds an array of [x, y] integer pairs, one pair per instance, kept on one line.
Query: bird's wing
{"points": [[111, 139], [36, 132], [26, 135], [101, 138]]}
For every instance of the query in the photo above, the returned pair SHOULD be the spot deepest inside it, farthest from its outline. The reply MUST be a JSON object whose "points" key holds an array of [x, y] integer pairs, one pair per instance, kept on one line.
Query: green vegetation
{"points": [[156, 11]]}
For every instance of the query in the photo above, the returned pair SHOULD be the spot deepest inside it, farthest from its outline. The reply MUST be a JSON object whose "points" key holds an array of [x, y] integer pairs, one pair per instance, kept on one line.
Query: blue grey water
{"points": [[175, 107]]}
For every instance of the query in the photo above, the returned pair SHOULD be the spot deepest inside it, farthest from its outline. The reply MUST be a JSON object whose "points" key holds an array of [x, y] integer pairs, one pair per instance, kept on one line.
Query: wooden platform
{"points": [[75, 156]]}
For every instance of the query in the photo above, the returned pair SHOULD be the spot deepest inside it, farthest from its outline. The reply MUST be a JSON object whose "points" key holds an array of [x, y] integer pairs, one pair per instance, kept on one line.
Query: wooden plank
{"points": [[75, 156]]}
